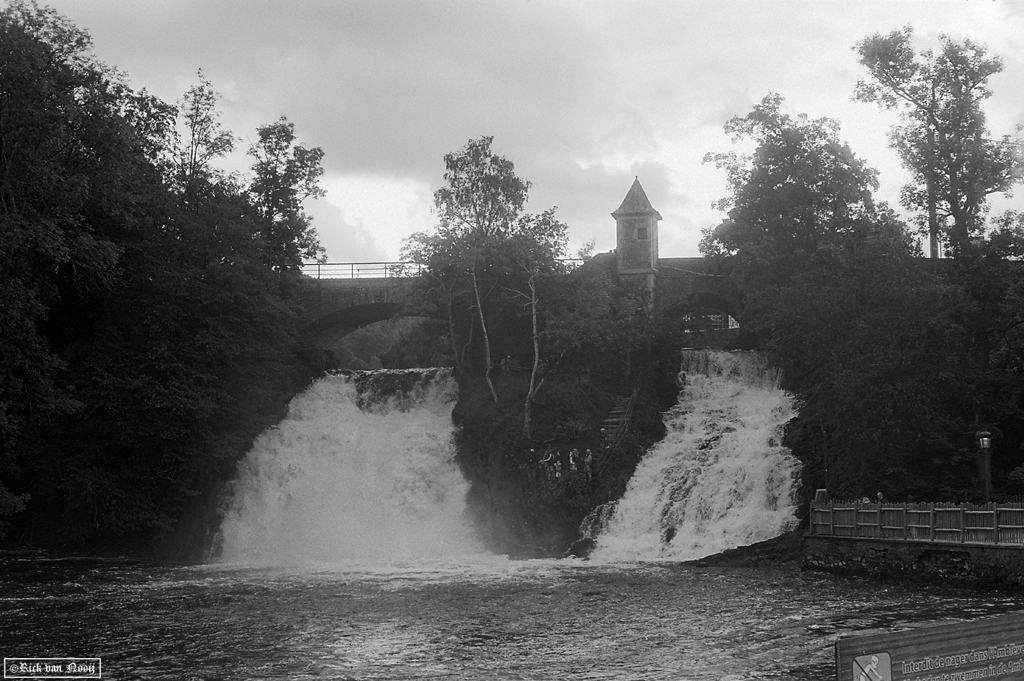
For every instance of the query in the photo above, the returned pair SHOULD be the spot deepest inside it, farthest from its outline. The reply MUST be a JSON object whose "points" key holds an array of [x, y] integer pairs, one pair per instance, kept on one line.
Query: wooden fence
{"points": [[1001, 524]]}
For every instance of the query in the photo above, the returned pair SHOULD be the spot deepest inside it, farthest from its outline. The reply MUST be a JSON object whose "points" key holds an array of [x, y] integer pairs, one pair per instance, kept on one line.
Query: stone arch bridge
{"points": [[683, 285], [346, 296], [343, 297]]}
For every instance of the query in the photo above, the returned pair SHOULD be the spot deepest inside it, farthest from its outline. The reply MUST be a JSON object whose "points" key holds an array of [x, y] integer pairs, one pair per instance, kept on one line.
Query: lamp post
{"points": [[984, 440]]}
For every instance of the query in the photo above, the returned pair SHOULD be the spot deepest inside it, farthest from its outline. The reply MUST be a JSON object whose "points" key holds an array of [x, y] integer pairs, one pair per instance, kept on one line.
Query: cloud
{"points": [[581, 96], [343, 240], [365, 218]]}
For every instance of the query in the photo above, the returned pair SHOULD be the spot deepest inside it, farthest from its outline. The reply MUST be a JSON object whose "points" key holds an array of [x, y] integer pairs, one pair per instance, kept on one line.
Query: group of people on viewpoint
{"points": [[555, 465]]}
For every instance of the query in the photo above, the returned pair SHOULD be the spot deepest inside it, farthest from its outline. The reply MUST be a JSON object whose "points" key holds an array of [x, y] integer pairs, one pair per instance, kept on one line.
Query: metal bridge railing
{"points": [[361, 270], [384, 270]]}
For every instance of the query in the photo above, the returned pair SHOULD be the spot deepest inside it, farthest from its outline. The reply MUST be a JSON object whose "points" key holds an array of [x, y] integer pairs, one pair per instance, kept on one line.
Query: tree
{"points": [[444, 278], [534, 247], [592, 328], [866, 335], [479, 206], [802, 188], [285, 174], [487, 256], [943, 139], [145, 341], [862, 337], [205, 140], [60, 138]]}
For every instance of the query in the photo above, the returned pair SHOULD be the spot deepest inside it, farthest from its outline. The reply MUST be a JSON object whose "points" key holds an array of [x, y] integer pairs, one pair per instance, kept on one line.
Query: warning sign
{"points": [[990, 648], [877, 667]]}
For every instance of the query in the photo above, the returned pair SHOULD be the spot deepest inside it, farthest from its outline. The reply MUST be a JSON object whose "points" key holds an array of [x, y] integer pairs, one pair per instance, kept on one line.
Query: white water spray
{"points": [[720, 478], [354, 473]]}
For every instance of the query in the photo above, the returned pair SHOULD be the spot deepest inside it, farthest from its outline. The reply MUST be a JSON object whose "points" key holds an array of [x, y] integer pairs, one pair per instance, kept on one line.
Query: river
{"points": [[345, 553], [471, 619]]}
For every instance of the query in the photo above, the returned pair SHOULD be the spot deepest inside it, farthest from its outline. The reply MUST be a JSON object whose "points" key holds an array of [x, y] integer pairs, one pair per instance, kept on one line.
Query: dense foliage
{"points": [[149, 322], [897, 360], [151, 300]]}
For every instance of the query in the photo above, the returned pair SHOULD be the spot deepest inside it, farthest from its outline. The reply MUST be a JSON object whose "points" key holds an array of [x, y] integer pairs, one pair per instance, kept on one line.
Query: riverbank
{"points": [[975, 568], [788, 548]]}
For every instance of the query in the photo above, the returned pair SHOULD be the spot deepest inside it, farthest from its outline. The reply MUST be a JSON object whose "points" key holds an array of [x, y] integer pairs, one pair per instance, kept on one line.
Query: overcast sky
{"points": [[580, 96]]}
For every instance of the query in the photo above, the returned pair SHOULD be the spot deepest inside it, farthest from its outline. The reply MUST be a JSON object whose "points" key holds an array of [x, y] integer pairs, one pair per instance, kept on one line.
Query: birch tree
{"points": [[478, 206]]}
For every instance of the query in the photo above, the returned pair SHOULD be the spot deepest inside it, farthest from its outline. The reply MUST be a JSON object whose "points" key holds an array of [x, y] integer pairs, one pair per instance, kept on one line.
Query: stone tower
{"points": [[636, 237]]}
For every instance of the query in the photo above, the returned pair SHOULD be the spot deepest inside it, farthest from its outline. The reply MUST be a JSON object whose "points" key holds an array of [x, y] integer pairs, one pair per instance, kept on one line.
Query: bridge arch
{"points": [[343, 297], [332, 327], [683, 285]]}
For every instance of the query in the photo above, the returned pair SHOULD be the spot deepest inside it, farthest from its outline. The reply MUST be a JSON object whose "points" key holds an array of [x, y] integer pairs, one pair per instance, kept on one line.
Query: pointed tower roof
{"points": [[636, 202]]}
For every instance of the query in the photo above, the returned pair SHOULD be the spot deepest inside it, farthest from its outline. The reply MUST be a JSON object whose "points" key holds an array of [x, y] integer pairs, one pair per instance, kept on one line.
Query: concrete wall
{"points": [[946, 563]]}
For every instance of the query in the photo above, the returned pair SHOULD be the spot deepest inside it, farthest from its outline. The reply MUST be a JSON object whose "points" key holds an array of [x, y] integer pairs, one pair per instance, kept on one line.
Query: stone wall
{"points": [[685, 283], [635, 254], [337, 307], [325, 296], [946, 563]]}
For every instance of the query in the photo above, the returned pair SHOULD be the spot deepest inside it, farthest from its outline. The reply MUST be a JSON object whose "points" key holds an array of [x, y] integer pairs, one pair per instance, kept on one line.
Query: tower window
{"points": [[641, 234]]}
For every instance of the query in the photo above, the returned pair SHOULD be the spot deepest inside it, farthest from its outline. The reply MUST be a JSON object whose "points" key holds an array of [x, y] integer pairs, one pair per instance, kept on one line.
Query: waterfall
{"points": [[720, 478], [361, 469]]}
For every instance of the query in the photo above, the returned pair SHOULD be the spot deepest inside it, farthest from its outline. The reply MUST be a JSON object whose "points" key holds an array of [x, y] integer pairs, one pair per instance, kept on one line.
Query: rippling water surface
{"points": [[359, 470], [486, 619]]}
